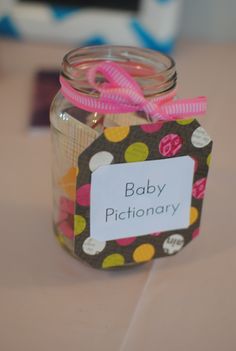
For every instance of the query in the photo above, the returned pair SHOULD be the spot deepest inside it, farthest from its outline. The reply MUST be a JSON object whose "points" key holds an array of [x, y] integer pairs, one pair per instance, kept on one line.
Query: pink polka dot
{"points": [[83, 195], [126, 241], [156, 234], [152, 128], [170, 145], [195, 233], [199, 188], [66, 230], [67, 205], [62, 216]]}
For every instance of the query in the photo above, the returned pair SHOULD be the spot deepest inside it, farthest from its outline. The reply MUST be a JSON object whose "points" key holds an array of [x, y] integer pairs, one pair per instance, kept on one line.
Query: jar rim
{"points": [[154, 71]]}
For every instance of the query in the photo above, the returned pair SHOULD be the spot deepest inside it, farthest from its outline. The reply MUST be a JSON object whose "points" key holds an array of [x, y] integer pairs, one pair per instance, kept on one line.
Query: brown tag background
{"points": [[135, 144]]}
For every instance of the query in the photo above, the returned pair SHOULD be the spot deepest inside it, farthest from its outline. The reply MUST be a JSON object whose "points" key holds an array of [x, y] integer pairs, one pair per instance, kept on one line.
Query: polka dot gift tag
{"points": [[139, 192]]}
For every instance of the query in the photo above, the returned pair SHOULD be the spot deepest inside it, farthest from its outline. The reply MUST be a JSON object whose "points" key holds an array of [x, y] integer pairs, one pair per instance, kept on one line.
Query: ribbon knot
{"points": [[120, 93]]}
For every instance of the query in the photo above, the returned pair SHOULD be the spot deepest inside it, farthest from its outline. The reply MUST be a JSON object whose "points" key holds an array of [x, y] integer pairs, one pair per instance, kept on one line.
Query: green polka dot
{"points": [[185, 122], [136, 152], [79, 224], [114, 260], [208, 160]]}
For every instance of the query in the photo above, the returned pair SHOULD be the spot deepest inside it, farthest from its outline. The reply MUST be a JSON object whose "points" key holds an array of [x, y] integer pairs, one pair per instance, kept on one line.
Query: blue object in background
{"points": [[62, 12], [148, 40], [7, 28], [163, 1], [153, 27], [96, 40]]}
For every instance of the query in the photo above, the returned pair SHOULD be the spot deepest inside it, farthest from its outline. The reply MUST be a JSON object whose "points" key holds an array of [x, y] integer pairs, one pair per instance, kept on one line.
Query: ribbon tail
{"points": [[184, 108]]}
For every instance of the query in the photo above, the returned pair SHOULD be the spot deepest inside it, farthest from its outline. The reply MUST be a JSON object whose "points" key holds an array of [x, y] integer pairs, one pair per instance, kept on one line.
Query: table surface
{"points": [[49, 301]]}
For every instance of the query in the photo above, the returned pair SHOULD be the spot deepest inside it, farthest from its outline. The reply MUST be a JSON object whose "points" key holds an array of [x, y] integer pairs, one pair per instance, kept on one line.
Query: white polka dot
{"points": [[101, 158], [200, 138], [93, 247], [173, 244]]}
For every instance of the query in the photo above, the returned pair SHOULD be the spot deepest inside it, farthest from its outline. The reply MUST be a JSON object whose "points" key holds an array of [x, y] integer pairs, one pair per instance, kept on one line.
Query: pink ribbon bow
{"points": [[120, 93]]}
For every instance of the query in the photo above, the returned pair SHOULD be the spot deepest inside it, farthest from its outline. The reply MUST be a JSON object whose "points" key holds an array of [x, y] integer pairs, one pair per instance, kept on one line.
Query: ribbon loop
{"points": [[120, 93]]}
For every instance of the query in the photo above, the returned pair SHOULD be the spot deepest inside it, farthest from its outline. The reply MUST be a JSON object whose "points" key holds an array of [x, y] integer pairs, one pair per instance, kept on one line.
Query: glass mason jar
{"points": [[73, 129]]}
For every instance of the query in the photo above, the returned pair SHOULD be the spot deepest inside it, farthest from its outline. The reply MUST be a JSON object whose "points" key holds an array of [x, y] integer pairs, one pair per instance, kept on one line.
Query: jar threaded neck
{"points": [[154, 71]]}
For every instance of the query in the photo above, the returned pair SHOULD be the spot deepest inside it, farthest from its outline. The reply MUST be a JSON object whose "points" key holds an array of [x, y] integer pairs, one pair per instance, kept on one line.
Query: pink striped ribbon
{"points": [[120, 93]]}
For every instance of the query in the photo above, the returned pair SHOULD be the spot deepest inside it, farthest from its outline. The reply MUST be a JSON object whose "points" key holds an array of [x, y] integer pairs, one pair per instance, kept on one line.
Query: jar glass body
{"points": [[74, 129]]}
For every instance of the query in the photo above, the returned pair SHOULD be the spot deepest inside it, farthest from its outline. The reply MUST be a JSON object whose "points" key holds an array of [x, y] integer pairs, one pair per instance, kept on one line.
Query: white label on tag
{"points": [[139, 198]]}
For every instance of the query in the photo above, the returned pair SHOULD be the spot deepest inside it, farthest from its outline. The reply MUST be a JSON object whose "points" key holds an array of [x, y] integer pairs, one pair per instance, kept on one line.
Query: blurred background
{"points": [[150, 23]]}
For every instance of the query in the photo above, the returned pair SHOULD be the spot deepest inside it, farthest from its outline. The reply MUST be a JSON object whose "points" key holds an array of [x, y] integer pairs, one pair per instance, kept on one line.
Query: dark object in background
{"points": [[112, 4], [46, 85]]}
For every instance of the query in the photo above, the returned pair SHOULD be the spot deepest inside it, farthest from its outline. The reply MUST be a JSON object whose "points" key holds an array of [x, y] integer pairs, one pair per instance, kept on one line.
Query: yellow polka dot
{"points": [[136, 152], [193, 215], [114, 260], [184, 122], [208, 160], [116, 134], [143, 253], [79, 224]]}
